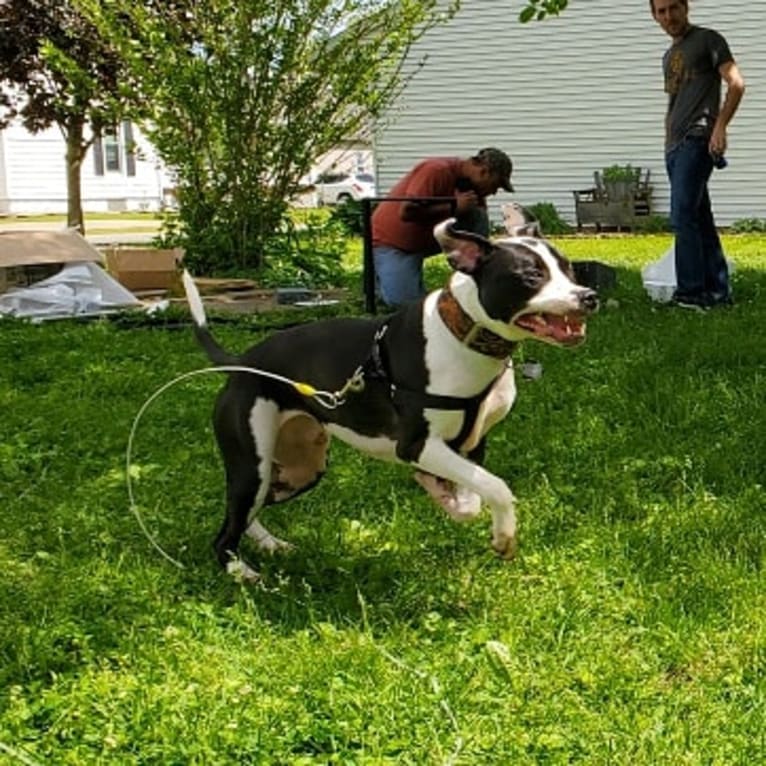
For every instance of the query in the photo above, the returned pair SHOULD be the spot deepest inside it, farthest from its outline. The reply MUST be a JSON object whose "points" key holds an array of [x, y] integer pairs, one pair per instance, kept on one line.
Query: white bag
{"points": [[659, 277]]}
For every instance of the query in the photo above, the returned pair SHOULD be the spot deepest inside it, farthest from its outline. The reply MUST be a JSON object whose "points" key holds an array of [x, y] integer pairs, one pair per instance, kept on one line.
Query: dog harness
{"points": [[472, 335]]}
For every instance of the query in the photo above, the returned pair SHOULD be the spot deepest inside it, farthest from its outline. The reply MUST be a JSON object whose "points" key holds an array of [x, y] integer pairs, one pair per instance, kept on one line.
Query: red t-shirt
{"points": [[435, 177]]}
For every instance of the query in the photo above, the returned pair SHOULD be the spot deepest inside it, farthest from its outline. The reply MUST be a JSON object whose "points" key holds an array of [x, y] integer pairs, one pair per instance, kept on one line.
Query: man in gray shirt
{"points": [[695, 141]]}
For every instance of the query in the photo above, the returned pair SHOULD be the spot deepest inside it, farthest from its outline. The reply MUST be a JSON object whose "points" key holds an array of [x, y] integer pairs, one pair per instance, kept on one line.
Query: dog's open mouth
{"points": [[566, 329]]}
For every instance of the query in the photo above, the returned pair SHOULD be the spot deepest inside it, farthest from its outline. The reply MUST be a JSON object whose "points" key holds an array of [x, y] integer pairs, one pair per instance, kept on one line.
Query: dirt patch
{"points": [[243, 296]]}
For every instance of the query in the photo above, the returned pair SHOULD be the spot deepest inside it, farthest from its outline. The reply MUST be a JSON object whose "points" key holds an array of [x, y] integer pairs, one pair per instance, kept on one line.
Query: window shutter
{"points": [[98, 156], [130, 154]]}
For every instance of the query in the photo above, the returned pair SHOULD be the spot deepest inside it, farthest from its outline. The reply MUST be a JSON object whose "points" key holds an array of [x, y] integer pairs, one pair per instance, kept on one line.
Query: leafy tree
{"points": [[540, 9], [243, 96], [55, 69]]}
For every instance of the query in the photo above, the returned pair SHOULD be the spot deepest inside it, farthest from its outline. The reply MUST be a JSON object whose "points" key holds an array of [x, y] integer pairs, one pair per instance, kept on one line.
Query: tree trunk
{"points": [[75, 151]]}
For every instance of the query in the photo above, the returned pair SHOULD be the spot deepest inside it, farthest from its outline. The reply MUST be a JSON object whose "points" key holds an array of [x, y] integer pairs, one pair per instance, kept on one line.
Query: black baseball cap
{"points": [[499, 163]]}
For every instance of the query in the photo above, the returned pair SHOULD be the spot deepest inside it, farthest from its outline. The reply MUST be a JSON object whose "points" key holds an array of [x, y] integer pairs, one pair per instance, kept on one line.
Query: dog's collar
{"points": [[469, 333]]}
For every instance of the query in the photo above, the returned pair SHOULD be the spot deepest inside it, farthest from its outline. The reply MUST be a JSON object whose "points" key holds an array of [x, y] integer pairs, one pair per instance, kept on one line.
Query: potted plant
{"points": [[620, 181]]}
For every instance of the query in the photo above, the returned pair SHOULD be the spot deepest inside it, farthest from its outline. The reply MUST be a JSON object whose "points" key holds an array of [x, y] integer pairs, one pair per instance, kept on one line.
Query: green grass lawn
{"points": [[630, 630]]}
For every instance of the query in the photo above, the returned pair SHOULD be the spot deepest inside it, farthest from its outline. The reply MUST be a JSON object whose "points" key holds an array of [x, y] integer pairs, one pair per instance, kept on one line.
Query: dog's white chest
{"points": [[494, 408]]}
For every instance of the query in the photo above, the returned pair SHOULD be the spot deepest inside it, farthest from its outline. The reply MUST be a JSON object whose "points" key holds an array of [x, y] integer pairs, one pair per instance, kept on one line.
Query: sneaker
{"points": [[691, 302], [726, 300]]}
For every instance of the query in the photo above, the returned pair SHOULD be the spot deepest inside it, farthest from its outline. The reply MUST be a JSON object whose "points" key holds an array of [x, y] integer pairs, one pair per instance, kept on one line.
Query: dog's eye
{"points": [[533, 277]]}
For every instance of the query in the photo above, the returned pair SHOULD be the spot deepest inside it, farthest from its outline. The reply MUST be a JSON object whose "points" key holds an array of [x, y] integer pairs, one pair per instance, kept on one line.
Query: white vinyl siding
{"points": [[33, 175], [568, 96]]}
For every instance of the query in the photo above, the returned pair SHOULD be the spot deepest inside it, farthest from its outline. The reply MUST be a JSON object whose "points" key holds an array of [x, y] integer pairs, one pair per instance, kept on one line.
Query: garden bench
{"points": [[614, 204]]}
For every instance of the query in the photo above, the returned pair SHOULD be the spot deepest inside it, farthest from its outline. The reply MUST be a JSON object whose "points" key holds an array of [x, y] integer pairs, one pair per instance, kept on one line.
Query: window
{"points": [[111, 150], [114, 151]]}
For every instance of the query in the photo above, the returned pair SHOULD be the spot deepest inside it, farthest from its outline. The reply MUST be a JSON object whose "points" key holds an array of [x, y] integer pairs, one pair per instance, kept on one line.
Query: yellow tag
{"points": [[305, 389]]}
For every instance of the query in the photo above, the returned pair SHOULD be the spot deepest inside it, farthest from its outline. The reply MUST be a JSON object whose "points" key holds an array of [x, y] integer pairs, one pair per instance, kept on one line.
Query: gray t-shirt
{"points": [[693, 83]]}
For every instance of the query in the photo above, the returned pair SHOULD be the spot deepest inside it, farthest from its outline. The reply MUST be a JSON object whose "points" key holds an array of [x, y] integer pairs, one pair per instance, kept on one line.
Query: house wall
{"points": [[3, 185], [33, 176], [568, 96]]}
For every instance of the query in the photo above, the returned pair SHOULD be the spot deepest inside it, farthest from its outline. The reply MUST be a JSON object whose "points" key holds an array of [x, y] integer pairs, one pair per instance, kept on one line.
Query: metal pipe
{"points": [[368, 262]]}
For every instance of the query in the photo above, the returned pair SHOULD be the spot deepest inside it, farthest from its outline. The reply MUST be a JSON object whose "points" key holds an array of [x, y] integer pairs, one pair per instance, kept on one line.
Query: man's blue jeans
{"points": [[701, 270], [399, 275]]}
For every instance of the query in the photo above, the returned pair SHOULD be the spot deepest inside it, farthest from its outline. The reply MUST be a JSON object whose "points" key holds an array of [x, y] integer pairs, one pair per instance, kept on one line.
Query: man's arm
{"points": [[735, 88], [425, 212], [436, 212]]}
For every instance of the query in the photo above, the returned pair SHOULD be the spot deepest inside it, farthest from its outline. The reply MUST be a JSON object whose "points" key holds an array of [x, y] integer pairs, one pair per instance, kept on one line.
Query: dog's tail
{"points": [[215, 352]]}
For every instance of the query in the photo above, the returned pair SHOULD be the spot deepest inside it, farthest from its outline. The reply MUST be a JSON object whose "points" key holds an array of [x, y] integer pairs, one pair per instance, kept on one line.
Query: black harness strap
{"points": [[376, 368], [468, 405]]}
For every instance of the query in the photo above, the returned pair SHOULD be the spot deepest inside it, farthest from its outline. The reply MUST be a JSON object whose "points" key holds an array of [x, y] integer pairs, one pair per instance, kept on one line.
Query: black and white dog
{"points": [[428, 382]]}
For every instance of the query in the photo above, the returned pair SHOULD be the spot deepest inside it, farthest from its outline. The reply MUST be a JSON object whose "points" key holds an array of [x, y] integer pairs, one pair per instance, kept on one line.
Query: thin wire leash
{"points": [[328, 399]]}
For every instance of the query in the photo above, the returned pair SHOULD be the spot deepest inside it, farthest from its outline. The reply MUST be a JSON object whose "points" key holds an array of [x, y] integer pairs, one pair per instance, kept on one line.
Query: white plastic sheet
{"points": [[79, 289], [659, 277]]}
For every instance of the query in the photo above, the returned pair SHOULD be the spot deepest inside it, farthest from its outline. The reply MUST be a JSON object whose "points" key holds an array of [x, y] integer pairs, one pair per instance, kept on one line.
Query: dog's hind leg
{"points": [[298, 458], [241, 488], [247, 454], [461, 503], [437, 458]]}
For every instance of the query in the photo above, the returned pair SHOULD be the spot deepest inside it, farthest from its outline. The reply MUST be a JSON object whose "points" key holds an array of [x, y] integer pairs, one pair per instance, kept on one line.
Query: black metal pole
{"points": [[368, 262]]}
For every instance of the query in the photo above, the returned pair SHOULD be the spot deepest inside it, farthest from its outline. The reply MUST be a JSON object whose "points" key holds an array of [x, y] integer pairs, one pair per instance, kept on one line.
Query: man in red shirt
{"points": [[402, 232]]}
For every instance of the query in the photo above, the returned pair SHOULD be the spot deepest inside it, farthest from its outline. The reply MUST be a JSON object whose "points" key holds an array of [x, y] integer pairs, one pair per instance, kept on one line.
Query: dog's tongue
{"points": [[563, 329]]}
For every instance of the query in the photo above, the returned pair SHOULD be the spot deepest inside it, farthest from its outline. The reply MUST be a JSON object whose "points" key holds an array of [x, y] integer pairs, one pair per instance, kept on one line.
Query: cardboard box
{"points": [[27, 257], [145, 268], [55, 274]]}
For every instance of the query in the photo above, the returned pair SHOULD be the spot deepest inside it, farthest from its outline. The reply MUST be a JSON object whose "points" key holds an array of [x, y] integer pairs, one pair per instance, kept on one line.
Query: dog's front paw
{"points": [[505, 546], [242, 572], [265, 541]]}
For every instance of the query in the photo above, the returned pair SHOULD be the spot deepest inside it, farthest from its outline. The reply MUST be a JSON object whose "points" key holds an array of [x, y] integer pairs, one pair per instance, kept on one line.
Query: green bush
{"points": [[652, 224], [309, 255], [749, 226], [550, 221], [348, 215]]}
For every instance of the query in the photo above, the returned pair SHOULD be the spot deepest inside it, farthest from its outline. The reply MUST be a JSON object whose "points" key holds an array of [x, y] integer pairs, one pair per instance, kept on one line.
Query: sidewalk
{"points": [[100, 233]]}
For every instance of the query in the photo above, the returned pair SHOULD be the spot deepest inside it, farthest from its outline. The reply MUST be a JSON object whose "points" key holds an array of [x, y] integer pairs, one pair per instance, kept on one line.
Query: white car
{"points": [[333, 188]]}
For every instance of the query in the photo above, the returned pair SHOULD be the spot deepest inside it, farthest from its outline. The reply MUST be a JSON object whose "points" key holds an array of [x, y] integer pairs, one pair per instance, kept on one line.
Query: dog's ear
{"points": [[464, 249], [531, 229], [519, 221]]}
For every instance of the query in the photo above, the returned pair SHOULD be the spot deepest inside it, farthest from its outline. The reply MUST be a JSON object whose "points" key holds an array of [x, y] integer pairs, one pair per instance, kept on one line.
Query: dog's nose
{"points": [[589, 300]]}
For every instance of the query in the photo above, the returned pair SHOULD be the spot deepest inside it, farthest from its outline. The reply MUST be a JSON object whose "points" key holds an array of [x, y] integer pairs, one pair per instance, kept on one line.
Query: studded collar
{"points": [[470, 334]]}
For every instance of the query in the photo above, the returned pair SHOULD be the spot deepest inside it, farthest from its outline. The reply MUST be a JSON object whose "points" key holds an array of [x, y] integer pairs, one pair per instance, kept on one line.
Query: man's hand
{"points": [[717, 145], [466, 201]]}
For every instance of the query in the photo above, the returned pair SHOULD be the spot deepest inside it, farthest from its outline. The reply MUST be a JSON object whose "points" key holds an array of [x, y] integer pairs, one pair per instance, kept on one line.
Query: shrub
{"points": [[749, 226], [651, 224], [550, 221], [348, 215], [309, 255]]}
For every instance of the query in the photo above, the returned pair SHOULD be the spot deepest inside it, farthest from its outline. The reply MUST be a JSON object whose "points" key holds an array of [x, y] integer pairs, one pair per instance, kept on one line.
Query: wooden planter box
{"points": [[613, 204], [599, 213]]}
